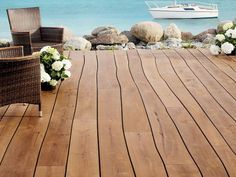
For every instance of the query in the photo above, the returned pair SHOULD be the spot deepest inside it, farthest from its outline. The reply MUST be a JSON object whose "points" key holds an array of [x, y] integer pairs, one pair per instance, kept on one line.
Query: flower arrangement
{"points": [[225, 41], [54, 67], [4, 43]]}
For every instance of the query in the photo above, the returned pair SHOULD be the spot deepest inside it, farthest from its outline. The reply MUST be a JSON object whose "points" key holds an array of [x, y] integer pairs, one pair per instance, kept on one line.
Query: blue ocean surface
{"points": [[82, 16]]}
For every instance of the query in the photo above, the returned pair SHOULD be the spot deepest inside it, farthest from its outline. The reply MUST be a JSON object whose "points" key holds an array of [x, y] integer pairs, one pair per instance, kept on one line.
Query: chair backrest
{"points": [[25, 20]]}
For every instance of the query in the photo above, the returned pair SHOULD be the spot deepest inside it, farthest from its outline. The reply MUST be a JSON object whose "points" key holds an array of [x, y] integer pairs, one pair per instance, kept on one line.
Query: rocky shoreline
{"points": [[143, 35]]}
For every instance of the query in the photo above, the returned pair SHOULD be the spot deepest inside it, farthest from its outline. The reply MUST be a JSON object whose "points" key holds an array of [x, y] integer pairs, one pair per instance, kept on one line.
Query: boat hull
{"points": [[157, 13]]}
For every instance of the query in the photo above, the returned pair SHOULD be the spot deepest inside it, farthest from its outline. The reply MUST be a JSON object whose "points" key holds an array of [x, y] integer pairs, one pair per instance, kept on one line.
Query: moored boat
{"points": [[175, 11]]}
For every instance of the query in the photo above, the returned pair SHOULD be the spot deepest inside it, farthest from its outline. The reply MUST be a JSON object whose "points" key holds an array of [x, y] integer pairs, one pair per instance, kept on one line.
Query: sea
{"points": [[82, 16]]}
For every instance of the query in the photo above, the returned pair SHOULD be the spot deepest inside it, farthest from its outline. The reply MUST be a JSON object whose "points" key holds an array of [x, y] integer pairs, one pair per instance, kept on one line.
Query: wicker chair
{"points": [[19, 77], [26, 30]]}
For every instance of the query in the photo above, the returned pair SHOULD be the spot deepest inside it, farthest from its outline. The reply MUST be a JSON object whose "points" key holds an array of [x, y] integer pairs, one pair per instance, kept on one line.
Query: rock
{"points": [[172, 31], [130, 37], [104, 29], [221, 24], [109, 47], [130, 45], [68, 34], [197, 44], [205, 34], [89, 37], [210, 38], [173, 43], [155, 46], [147, 31], [186, 36], [77, 43], [109, 39], [109, 31]]}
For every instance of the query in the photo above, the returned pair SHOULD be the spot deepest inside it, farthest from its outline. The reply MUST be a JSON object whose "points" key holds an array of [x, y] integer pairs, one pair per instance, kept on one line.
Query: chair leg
{"points": [[40, 111]]}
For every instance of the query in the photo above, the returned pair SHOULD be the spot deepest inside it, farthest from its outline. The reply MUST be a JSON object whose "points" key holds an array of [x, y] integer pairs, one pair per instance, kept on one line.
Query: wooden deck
{"points": [[128, 114]]}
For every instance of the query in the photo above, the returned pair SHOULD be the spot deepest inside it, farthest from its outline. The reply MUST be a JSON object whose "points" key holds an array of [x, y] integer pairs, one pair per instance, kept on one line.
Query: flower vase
{"points": [[45, 86]]}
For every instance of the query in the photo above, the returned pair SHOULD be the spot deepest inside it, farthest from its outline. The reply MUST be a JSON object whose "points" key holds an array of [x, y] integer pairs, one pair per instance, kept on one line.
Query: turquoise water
{"points": [[84, 15]]}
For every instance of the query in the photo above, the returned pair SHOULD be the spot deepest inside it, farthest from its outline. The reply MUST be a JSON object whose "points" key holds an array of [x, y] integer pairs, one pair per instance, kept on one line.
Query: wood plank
{"points": [[218, 61], [164, 131], [16, 110], [226, 82], [216, 90], [114, 156], [224, 58], [3, 111], [204, 120], [195, 141], [146, 161], [50, 171], [9, 125], [83, 155], [55, 147], [221, 119], [21, 156]]}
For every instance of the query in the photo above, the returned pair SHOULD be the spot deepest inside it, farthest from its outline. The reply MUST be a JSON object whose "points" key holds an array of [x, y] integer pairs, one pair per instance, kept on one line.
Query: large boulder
{"points": [[104, 30], [78, 43], [172, 31], [221, 24], [186, 36], [131, 37], [205, 34], [147, 31], [109, 39], [106, 35]]}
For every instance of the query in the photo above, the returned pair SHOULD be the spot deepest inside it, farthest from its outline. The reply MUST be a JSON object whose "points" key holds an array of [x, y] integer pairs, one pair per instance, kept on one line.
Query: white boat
{"points": [[191, 10]]}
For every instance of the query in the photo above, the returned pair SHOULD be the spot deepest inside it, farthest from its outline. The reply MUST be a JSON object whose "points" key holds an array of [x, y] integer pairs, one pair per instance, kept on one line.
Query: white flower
{"points": [[57, 65], [45, 77], [229, 33], [234, 34], [228, 26], [215, 50], [56, 55], [45, 49], [67, 73], [42, 67], [4, 41], [67, 64], [53, 82], [227, 48], [220, 37]]}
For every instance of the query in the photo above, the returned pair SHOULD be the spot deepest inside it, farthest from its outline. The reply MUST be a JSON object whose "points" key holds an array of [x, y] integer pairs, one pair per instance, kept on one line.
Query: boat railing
{"points": [[156, 4]]}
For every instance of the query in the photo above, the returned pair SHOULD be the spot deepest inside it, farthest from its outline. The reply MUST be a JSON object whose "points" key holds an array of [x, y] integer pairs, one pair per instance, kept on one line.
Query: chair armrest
{"points": [[52, 34], [31, 58], [9, 52], [22, 39]]}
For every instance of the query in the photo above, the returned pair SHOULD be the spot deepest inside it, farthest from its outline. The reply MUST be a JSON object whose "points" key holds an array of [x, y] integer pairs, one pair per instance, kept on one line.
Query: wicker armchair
{"points": [[19, 77], [26, 30]]}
